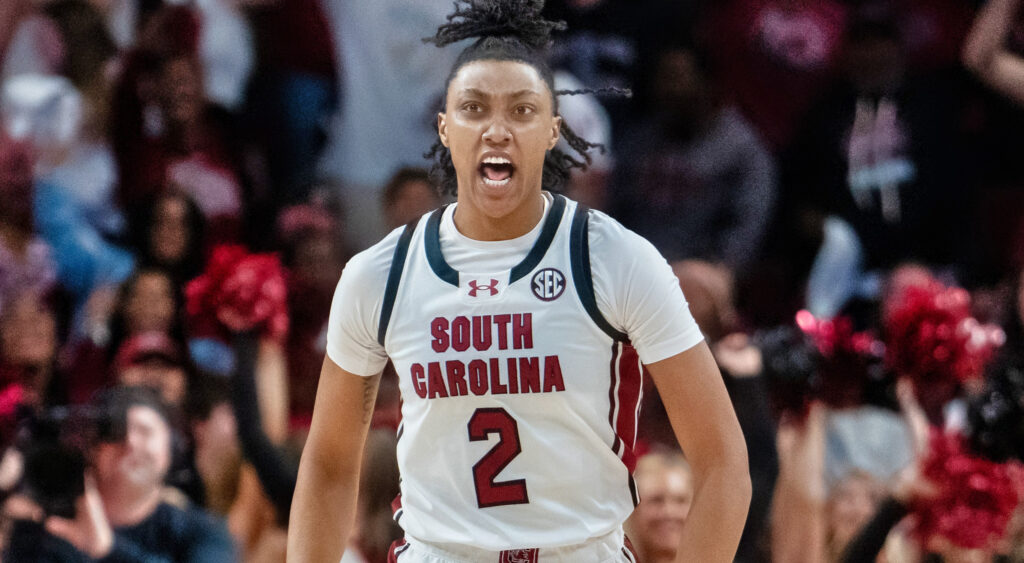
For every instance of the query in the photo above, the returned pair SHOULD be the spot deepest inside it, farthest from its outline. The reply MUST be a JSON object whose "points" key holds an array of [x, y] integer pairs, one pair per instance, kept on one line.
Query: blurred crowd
{"points": [[803, 164]]}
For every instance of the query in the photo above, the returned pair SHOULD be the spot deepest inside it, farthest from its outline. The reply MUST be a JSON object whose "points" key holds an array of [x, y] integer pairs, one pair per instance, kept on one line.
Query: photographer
{"points": [[123, 515]]}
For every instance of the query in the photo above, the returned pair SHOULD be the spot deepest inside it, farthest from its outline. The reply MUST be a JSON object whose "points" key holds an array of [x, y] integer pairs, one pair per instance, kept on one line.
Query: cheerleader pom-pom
{"points": [[975, 498], [932, 338], [240, 292], [848, 360]]}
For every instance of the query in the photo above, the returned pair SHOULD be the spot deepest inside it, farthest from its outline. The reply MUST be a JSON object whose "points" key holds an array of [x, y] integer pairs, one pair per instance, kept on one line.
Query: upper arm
{"points": [[341, 418], [699, 408]]}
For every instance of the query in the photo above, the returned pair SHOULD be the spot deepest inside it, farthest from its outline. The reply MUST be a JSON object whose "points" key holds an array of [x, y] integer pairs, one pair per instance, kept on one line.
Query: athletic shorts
{"points": [[613, 547]]}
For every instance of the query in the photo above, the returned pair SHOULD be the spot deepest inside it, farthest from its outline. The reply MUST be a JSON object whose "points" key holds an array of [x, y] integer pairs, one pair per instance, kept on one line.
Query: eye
{"points": [[523, 110], [472, 107]]}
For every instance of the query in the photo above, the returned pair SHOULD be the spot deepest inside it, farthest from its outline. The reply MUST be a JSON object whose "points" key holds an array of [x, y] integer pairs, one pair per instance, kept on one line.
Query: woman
{"points": [[557, 485]]}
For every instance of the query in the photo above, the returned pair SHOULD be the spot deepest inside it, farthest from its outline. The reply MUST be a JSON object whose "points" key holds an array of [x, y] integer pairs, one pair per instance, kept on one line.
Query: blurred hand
{"points": [[801, 448], [738, 356], [90, 531], [910, 485]]}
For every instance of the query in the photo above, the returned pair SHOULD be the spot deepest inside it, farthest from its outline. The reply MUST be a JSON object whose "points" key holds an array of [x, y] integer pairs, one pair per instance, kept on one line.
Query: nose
{"points": [[497, 133]]}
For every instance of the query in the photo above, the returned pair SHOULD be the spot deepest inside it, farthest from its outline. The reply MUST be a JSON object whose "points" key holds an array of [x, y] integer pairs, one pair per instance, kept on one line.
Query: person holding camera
{"points": [[123, 513]]}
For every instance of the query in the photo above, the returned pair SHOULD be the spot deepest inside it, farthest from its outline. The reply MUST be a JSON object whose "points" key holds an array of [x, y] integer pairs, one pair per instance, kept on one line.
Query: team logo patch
{"points": [[548, 284], [475, 288], [518, 556]]}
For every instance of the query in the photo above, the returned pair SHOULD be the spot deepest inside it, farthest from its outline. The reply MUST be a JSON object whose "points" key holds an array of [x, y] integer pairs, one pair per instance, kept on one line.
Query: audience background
{"points": [[784, 155]]}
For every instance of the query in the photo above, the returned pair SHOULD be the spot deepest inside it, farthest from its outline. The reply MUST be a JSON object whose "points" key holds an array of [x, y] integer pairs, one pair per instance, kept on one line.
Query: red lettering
{"points": [[522, 330], [456, 378], [529, 375], [482, 332], [513, 376], [496, 386], [478, 377], [502, 322], [439, 330], [460, 334], [417, 381], [553, 375], [435, 383]]}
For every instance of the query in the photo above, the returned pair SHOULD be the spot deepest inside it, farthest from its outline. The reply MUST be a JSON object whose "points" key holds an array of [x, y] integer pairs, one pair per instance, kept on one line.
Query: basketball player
{"points": [[517, 321]]}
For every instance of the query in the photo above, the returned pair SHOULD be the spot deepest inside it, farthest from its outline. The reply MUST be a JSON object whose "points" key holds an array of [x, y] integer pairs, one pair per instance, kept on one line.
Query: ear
{"points": [[556, 131], [442, 128]]}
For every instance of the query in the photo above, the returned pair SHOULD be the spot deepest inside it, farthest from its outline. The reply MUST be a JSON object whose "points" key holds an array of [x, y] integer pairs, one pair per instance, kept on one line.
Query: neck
{"points": [[478, 226], [127, 506]]}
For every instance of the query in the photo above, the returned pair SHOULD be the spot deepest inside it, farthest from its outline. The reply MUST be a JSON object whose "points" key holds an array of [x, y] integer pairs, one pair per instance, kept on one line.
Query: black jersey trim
{"points": [[394, 277], [444, 271], [540, 248], [579, 255], [432, 243]]}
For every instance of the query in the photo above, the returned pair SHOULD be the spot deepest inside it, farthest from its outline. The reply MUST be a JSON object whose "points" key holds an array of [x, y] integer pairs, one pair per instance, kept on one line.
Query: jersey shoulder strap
{"points": [[579, 257], [394, 277]]}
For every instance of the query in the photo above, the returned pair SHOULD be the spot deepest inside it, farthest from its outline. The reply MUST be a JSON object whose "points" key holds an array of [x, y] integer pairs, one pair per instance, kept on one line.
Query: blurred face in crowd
{"points": [[165, 377], [666, 491], [182, 90], [681, 89], [142, 459], [413, 199], [149, 304], [874, 63], [503, 110], [28, 331], [318, 261], [169, 234], [851, 505]]}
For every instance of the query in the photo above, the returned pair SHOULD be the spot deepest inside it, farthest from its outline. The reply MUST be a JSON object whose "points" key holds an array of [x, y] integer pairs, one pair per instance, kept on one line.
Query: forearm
{"points": [[323, 513], [988, 34], [715, 522]]}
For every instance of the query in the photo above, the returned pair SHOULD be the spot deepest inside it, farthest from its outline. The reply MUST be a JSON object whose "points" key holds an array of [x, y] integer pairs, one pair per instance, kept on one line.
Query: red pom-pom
{"points": [[932, 338], [976, 497], [239, 292], [846, 358]]}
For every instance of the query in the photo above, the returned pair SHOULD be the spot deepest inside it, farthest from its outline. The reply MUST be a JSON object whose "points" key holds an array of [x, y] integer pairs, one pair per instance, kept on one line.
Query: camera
{"points": [[54, 444]]}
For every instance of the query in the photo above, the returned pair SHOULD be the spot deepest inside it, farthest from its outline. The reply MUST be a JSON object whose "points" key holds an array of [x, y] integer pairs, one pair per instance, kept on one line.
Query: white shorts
{"points": [[610, 548]]}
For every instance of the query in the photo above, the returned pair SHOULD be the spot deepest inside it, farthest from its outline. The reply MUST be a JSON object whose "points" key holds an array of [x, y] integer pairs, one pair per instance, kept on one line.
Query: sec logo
{"points": [[548, 284]]}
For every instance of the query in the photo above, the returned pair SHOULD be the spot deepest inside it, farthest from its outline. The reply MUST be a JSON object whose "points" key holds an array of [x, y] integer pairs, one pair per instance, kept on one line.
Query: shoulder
{"points": [[369, 268], [610, 240]]}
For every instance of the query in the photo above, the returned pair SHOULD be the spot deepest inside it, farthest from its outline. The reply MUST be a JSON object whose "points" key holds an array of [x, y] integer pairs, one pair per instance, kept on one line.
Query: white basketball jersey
{"points": [[519, 400]]}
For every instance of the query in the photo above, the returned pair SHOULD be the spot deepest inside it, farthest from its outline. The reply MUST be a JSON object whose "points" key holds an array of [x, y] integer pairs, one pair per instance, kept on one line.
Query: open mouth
{"points": [[496, 171]]}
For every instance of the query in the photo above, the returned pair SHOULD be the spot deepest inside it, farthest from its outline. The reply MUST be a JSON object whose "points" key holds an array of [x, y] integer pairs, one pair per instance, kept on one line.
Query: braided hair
{"points": [[510, 30]]}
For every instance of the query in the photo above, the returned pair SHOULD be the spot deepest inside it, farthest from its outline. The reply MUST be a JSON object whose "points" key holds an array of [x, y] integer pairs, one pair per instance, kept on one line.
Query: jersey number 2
{"points": [[482, 424]]}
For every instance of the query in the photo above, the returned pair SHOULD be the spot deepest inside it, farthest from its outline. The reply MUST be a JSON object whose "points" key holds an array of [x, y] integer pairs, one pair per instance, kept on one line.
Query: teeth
{"points": [[496, 183], [497, 160]]}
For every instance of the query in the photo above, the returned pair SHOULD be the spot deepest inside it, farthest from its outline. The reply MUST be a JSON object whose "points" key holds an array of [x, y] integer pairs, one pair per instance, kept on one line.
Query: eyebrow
{"points": [[481, 94]]}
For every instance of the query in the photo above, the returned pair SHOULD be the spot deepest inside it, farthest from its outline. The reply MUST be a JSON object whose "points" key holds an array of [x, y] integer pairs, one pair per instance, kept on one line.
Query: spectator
{"points": [[151, 359], [694, 178], [123, 515], [25, 260], [408, 195], [29, 341], [170, 234], [388, 83], [146, 302], [664, 484], [314, 252], [294, 90], [877, 155]]}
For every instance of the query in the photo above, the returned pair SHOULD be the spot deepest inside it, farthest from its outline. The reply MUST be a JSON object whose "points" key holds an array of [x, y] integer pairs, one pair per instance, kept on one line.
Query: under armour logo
{"points": [[518, 556], [474, 286]]}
